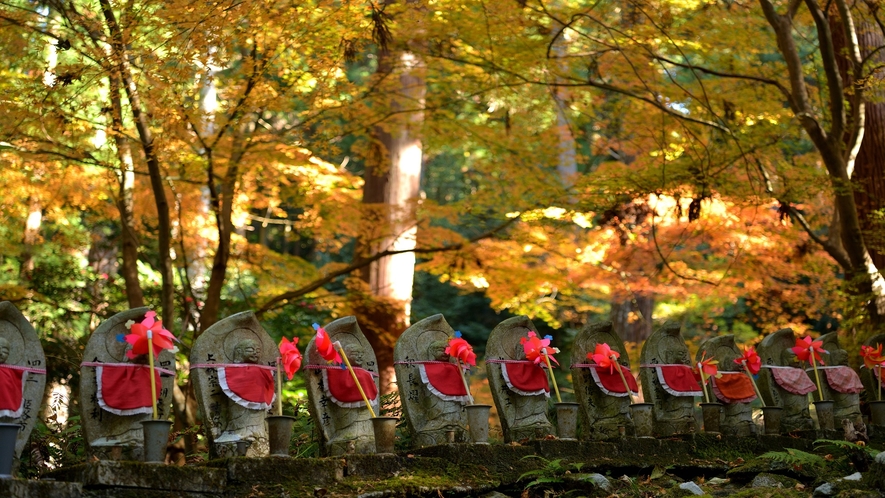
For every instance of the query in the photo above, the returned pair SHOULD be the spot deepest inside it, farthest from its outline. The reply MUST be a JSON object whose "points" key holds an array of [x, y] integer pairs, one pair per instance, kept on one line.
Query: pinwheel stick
{"points": [[552, 377], [464, 380], [150, 338], [820, 392], [355, 379], [279, 388], [879, 378], [704, 383], [623, 379], [755, 387]]}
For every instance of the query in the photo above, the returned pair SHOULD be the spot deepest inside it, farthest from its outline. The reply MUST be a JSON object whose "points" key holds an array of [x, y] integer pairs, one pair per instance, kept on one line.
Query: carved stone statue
{"points": [[337, 408], [733, 388], [232, 365], [604, 401], [783, 382], [519, 386], [22, 374], [667, 381], [115, 390], [840, 382], [868, 376], [429, 383]]}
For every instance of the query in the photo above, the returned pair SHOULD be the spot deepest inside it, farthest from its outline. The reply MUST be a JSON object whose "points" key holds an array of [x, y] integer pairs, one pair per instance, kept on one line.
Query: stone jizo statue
{"points": [[733, 388], [783, 382], [115, 393], [232, 365], [431, 389], [668, 382], [336, 406], [519, 386], [840, 382]]}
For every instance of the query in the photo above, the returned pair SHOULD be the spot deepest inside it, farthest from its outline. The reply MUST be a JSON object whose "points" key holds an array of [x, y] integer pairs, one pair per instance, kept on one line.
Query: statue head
{"points": [[436, 350], [247, 351], [4, 350], [788, 358], [355, 353], [838, 357]]}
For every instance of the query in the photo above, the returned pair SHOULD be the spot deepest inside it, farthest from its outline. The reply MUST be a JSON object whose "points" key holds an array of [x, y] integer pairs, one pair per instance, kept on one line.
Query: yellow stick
{"points": [[820, 392], [150, 337], [624, 380], [279, 389], [464, 379], [356, 380], [755, 387], [703, 383], [552, 377], [879, 378]]}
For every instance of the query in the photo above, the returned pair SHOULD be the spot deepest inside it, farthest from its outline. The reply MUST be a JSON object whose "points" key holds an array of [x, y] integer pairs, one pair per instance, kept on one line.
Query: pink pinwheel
{"points": [[872, 356], [706, 367], [805, 347], [291, 357], [605, 357], [753, 362], [536, 348], [325, 347], [138, 338], [461, 350]]}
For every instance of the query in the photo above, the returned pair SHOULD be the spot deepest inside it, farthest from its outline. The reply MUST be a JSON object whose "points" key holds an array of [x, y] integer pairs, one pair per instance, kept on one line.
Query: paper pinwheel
{"points": [[325, 347], [806, 347], [461, 350], [872, 356], [605, 357], [138, 337], [753, 362], [290, 356], [706, 367], [535, 346]]}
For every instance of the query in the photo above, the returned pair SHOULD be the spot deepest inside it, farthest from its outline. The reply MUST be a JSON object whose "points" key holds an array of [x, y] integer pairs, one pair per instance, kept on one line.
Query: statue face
{"points": [[355, 354], [437, 351], [247, 351], [4, 350]]}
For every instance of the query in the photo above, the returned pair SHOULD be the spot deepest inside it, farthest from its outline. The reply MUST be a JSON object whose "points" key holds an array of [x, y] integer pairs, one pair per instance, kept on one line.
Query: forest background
{"points": [[713, 162]]}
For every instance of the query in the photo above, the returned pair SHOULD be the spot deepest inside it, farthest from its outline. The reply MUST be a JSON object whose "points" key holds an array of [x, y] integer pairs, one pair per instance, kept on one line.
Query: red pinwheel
{"points": [[536, 348], [461, 350], [872, 356], [605, 357], [753, 362], [706, 367], [290, 356], [805, 347], [325, 347], [138, 338]]}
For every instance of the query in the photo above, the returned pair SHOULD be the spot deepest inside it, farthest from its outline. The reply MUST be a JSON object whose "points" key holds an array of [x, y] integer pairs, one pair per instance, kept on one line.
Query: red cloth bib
{"points": [[609, 381], [794, 380], [843, 379], [11, 392], [126, 390], [443, 380], [341, 388], [733, 388], [678, 380], [526, 378], [250, 387]]}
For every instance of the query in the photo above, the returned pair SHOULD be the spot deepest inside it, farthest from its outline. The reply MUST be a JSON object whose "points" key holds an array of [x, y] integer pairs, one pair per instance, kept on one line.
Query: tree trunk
{"points": [[392, 181], [632, 318]]}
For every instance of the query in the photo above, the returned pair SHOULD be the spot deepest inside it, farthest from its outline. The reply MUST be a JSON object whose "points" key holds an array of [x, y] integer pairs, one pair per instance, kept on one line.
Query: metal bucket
{"points": [[712, 413], [156, 438], [643, 419], [279, 433], [478, 423], [877, 413], [385, 434], [771, 418], [825, 418], [8, 437], [566, 420]]}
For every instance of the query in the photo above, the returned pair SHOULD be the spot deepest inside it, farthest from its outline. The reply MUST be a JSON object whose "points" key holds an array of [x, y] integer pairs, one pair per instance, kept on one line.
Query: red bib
{"points": [[126, 390], [526, 378], [610, 382], [843, 379], [250, 387], [733, 388], [12, 384], [678, 380], [444, 380], [341, 388], [794, 380]]}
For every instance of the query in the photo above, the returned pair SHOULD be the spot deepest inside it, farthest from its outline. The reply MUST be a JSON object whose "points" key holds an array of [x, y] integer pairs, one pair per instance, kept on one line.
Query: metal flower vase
{"points": [[566, 420], [771, 418], [643, 419], [877, 413], [385, 434], [711, 412], [8, 436], [156, 438], [478, 423], [825, 419], [279, 434]]}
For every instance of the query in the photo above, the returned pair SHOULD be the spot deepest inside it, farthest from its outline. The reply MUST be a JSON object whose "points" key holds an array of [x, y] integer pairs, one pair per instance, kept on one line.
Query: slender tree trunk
{"points": [[632, 318], [392, 182], [120, 58]]}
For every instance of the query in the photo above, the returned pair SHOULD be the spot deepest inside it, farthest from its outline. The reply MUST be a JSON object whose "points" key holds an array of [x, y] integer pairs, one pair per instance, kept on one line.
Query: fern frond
{"points": [[793, 456]]}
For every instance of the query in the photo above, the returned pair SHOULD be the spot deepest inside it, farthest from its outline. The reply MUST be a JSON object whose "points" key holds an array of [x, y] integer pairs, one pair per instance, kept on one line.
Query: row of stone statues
{"points": [[232, 366]]}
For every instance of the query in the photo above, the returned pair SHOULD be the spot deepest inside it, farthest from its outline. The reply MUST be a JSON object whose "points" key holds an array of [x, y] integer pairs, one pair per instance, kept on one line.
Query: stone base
{"points": [[20, 488], [142, 476]]}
